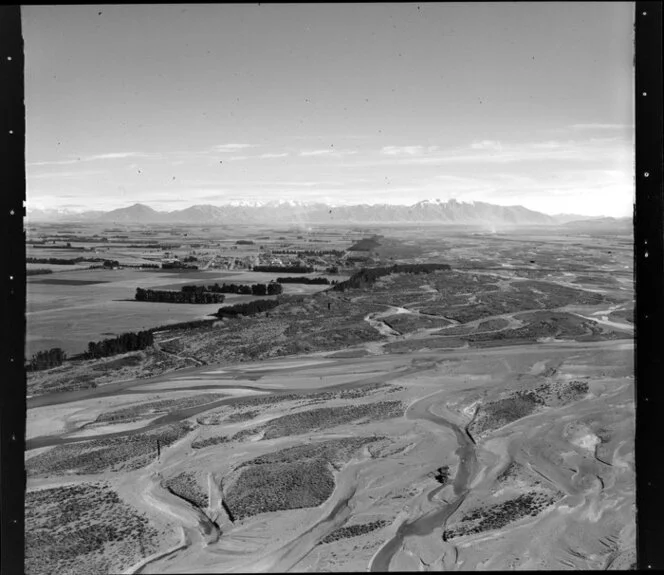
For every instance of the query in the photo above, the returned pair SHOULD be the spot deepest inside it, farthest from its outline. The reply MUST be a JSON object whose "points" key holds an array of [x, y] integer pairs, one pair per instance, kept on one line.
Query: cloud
{"points": [[307, 153], [94, 158], [231, 147], [236, 158], [593, 150], [282, 155], [329, 153], [407, 150]]}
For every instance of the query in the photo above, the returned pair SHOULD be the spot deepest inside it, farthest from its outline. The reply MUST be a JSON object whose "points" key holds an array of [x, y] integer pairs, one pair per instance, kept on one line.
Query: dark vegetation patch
{"points": [[559, 325], [303, 280], [510, 472], [353, 531], [190, 297], [152, 408], [83, 528], [499, 515], [365, 244], [120, 453], [284, 269], [185, 485], [368, 276], [123, 343], [442, 475], [209, 441], [327, 417], [242, 416], [292, 478], [249, 308], [280, 486], [496, 414]]}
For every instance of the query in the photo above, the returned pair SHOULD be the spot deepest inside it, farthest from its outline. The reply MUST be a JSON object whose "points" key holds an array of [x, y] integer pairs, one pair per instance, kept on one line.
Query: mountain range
{"points": [[292, 212]]}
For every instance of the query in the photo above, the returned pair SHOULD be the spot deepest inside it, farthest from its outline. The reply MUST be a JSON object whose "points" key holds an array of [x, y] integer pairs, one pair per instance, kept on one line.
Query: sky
{"points": [[173, 105]]}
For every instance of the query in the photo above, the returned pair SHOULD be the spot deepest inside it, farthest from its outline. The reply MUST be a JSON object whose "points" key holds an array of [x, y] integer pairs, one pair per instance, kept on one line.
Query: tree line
{"points": [[178, 266], [303, 280], [164, 296], [337, 253], [62, 261], [242, 289], [250, 308], [285, 269], [125, 342], [39, 271], [368, 276], [46, 359]]}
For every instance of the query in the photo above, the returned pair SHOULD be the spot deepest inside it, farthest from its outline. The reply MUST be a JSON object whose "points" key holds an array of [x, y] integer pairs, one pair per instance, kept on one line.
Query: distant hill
{"points": [[601, 224], [288, 212]]}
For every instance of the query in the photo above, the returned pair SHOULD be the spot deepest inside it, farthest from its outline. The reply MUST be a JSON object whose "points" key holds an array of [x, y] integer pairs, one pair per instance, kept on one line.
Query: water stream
{"points": [[435, 518]]}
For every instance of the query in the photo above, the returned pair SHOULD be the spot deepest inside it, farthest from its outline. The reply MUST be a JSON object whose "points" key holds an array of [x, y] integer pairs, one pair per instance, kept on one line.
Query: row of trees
{"points": [[164, 296], [62, 261], [337, 253], [250, 308], [284, 269], [242, 289], [46, 359], [35, 272], [178, 266], [125, 342], [368, 276], [303, 280]]}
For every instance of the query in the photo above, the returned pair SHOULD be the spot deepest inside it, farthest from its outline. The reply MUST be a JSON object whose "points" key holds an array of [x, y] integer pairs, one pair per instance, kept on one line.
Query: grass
{"points": [[83, 529]]}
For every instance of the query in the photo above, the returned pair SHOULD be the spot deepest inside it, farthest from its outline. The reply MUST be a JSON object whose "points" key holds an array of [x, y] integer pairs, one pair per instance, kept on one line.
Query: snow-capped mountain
{"points": [[294, 212]]}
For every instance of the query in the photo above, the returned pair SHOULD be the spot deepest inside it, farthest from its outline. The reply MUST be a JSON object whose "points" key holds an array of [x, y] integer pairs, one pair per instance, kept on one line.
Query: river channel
{"points": [[435, 518]]}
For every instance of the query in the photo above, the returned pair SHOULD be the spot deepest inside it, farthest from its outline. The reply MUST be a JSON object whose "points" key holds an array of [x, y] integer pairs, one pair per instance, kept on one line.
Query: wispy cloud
{"points": [[407, 150], [596, 149], [119, 155], [282, 155], [94, 157], [223, 148], [328, 152], [307, 153]]}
